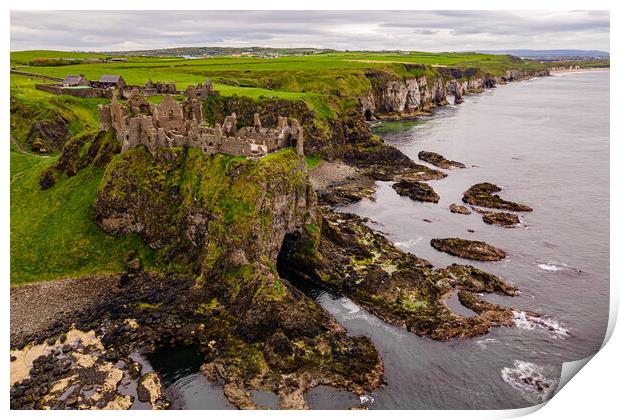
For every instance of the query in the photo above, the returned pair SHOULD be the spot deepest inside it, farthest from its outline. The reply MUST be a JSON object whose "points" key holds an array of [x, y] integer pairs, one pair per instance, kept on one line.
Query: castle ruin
{"points": [[181, 124]]}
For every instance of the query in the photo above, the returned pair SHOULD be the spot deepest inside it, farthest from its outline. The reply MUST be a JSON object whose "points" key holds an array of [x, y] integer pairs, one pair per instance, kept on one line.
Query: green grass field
{"points": [[52, 233], [316, 79]]}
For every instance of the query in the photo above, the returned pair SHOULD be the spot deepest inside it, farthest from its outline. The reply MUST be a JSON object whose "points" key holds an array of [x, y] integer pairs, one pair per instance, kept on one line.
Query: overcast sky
{"points": [[363, 30]]}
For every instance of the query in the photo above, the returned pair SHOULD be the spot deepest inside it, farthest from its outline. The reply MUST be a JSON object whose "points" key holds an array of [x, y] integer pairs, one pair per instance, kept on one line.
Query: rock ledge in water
{"points": [[483, 195], [473, 250], [501, 219], [416, 191], [438, 160], [455, 208]]}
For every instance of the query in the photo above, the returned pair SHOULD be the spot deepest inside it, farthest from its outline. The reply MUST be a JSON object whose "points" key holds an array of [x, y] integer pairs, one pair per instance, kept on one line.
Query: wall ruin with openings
{"points": [[180, 124]]}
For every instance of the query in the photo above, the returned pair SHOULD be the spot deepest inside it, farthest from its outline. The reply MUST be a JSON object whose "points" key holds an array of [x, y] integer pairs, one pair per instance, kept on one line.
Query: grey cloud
{"points": [[368, 30]]}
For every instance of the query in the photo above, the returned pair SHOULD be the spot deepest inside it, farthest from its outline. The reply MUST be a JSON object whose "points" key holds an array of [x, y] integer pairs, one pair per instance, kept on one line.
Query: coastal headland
{"points": [[185, 220]]}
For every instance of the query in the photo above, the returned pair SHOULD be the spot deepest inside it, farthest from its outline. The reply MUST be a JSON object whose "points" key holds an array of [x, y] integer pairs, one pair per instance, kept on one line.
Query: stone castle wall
{"points": [[79, 92], [180, 124]]}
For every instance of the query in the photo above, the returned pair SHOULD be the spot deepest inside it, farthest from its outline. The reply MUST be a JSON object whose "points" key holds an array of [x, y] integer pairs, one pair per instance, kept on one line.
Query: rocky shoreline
{"points": [[86, 358]]}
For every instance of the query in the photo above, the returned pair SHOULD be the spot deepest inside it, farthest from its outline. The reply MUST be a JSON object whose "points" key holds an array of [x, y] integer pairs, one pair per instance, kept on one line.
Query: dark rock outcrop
{"points": [[501, 219], [483, 195], [438, 160], [455, 208], [348, 191], [398, 287], [48, 135], [225, 219], [464, 248], [418, 191]]}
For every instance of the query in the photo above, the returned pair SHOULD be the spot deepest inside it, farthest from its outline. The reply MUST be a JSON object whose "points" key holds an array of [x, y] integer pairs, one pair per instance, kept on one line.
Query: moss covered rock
{"points": [[484, 195], [438, 160], [415, 190], [225, 219], [464, 248], [398, 287]]}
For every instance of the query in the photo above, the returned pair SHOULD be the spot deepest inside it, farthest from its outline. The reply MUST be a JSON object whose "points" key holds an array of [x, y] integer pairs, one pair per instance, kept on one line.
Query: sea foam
{"points": [[528, 322], [366, 399], [549, 267], [529, 379]]}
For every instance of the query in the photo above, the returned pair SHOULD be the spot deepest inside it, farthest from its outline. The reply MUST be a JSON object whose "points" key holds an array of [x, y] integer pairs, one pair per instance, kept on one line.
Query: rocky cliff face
{"points": [[225, 219], [515, 75], [392, 95], [180, 198]]}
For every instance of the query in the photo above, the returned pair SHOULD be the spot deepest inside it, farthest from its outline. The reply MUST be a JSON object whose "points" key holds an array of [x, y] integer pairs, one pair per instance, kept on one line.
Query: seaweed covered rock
{"points": [[415, 190], [455, 208], [464, 248], [385, 163], [396, 286], [88, 354], [347, 191], [501, 219], [438, 160], [484, 195]]}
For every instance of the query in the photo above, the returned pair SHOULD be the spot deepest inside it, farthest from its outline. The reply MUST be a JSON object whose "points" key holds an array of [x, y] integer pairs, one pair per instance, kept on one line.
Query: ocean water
{"points": [[546, 142]]}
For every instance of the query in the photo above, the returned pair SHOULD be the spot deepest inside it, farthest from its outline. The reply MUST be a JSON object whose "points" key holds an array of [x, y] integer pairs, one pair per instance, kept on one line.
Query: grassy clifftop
{"points": [[319, 79]]}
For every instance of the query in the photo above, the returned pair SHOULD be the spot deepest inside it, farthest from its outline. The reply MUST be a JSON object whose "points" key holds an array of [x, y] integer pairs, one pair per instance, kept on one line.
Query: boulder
{"points": [[501, 219], [455, 208], [150, 390], [484, 195], [438, 160], [464, 248], [415, 190]]}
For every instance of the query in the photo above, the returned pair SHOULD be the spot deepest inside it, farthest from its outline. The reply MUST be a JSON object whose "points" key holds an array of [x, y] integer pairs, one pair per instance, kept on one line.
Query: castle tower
{"points": [[257, 123]]}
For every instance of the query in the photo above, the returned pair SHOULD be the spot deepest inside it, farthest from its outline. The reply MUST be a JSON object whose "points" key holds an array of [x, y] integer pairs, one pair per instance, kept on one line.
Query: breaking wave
{"points": [[366, 399], [549, 267], [555, 266], [485, 342], [408, 244], [529, 379], [528, 322]]}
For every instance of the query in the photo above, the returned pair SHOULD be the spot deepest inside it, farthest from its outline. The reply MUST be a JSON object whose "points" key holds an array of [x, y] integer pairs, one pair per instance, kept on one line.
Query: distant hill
{"points": [[200, 52], [549, 53]]}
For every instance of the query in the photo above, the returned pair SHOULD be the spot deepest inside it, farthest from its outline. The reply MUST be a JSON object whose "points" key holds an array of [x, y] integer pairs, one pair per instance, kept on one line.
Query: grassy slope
{"points": [[52, 233], [36, 105]]}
